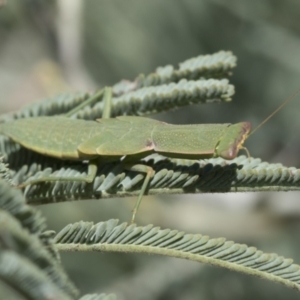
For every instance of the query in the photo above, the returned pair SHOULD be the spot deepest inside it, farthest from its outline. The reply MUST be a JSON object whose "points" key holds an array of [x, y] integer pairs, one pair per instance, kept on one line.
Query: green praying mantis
{"points": [[125, 138]]}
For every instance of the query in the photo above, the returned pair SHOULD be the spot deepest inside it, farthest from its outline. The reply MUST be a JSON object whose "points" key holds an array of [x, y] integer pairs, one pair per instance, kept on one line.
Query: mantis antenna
{"points": [[276, 111]]}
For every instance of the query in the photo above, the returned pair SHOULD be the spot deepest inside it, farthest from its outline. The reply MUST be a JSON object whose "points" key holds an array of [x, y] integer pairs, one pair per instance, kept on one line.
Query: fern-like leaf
{"points": [[113, 237], [25, 280], [162, 90], [217, 65], [172, 176], [14, 238], [153, 99], [22, 234], [12, 201], [99, 297], [48, 107]]}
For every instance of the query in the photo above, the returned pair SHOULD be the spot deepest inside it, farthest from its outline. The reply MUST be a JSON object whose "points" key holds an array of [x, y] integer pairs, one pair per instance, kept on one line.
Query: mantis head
{"points": [[233, 140]]}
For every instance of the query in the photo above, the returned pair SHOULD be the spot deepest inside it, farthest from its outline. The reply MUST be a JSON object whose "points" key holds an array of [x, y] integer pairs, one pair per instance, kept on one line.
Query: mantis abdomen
{"points": [[52, 136]]}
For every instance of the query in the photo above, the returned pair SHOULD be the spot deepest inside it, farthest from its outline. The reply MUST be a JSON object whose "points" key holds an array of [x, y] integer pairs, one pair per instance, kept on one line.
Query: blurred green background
{"points": [[49, 47]]}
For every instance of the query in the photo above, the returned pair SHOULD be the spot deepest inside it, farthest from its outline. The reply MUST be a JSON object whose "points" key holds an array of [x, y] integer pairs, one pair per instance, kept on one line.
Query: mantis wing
{"points": [[121, 136]]}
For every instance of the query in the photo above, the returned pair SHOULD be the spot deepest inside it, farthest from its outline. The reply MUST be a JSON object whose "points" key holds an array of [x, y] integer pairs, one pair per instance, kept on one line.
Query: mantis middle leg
{"points": [[89, 178]]}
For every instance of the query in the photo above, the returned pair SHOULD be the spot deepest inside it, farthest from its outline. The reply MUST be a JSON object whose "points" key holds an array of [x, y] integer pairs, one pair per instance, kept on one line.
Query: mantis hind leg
{"points": [[106, 93], [149, 174], [107, 97], [89, 178]]}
